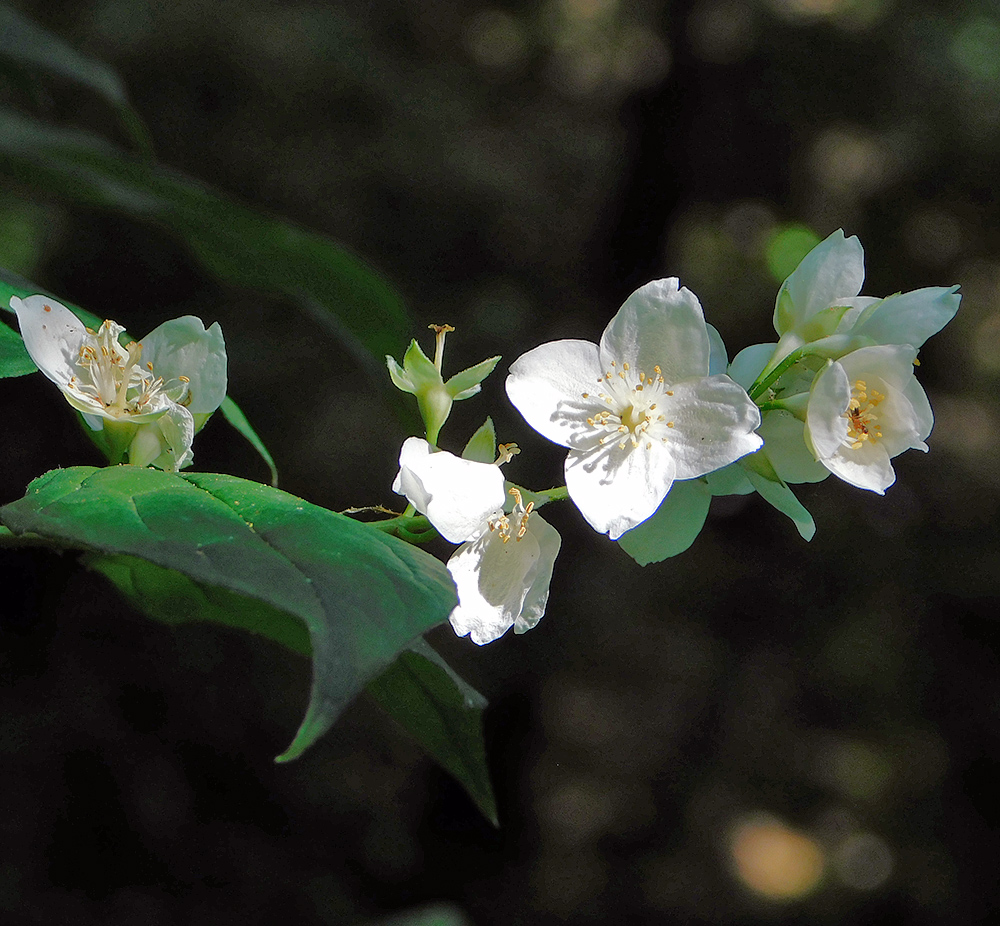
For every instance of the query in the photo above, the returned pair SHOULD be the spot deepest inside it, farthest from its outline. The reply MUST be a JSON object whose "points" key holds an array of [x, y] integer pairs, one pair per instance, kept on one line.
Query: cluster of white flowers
{"points": [[656, 402]]}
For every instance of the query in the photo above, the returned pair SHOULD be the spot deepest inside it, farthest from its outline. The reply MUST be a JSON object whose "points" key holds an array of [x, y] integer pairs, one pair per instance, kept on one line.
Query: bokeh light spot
{"points": [[786, 247], [774, 860]]}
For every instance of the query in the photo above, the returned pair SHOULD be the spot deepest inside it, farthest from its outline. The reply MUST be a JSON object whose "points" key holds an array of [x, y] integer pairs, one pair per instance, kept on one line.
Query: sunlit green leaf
{"points": [[362, 594], [673, 527], [236, 243], [482, 446]]}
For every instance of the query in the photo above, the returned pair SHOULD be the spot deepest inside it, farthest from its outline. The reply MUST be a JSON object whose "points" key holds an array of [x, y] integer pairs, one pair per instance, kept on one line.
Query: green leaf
{"points": [[239, 245], [174, 598], [362, 594], [776, 493], [14, 359], [482, 446], [673, 527], [419, 690], [443, 713], [234, 415], [25, 47]]}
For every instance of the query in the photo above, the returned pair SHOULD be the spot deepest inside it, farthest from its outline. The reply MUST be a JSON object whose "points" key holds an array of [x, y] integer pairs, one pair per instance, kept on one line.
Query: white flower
{"points": [[818, 305], [637, 411], [503, 567], [148, 398], [864, 409]]}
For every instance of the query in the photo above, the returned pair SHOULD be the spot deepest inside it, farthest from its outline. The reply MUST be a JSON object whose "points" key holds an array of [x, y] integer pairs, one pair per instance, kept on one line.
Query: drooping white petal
{"points": [[164, 442], [548, 384], [493, 579], [713, 425], [616, 489], [661, 324], [183, 347], [868, 467], [52, 336], [829, 274], [537, 596], [456, 495]]}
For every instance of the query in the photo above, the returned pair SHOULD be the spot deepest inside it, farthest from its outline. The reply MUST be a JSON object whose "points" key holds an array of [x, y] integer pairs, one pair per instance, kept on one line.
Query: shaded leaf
{"points": [[443, 713], [25, 47], [776, 493], [234, 415], [236, 243], [673, 527], [437, 915], [363, 595]]}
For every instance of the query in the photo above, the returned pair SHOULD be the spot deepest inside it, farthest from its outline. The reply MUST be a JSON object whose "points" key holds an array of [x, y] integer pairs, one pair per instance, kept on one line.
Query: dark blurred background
{"points": [[760, 730]]}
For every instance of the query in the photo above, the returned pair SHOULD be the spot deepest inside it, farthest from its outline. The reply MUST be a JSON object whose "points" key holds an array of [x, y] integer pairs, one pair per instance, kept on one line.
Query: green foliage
{"points": [[673, 527], [239, 245], [26, 50], [362, 594], [234, 415], [786, 247], [419, 690], [776, 493], [437, 915], [444, 714]]}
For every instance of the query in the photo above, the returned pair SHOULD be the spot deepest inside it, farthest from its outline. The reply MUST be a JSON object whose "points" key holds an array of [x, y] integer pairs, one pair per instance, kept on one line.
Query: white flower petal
{"points": [[909, 318], [456, 495], [826, 426], [52, 335], [537, 596], [868, 467], [547, 386], [493, 579], [183, 347], [714, 421], [661, 324], [617, 489], [830, 274]]}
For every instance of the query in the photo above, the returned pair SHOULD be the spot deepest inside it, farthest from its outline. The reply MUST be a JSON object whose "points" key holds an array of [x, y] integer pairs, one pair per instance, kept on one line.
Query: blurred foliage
{"points": [[759, 730]]}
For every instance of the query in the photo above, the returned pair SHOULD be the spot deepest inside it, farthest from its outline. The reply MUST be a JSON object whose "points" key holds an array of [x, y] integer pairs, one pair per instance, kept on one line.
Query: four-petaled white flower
{"points": [[149, 397], [503, 567], [637, 411], [864, 409]]}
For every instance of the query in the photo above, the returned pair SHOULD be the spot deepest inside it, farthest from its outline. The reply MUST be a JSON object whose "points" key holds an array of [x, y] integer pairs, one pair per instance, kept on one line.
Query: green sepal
{"points": [[482, 446], [466, 384]]}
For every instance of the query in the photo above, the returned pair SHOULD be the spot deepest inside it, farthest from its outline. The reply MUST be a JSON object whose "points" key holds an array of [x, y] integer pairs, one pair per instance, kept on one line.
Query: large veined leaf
{"points": [[419, 690], [238, 244], [28, 49], [362, 595]]}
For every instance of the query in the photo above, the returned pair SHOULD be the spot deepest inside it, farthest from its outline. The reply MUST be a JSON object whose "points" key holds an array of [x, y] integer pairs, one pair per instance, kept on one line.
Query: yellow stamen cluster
{"points": [[519, 516], [632, 412], [111, 376], [861, 418]]}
